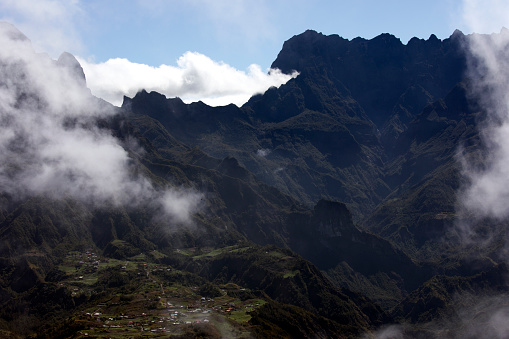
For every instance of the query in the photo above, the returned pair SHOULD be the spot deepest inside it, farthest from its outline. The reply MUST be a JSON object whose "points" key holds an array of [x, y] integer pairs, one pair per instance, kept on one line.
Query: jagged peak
{"points": [[311, 32], [433, 37], [153, 95], [333, 217], [67, 59], [457, 33], [311, 36], [387, 37]]}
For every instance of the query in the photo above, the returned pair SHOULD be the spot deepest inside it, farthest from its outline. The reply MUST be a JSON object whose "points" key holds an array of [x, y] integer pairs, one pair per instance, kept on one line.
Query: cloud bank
{"points": [[196, 77], [52, 145], [55, 26], [471, 316], [485, 195], [488, 189]]}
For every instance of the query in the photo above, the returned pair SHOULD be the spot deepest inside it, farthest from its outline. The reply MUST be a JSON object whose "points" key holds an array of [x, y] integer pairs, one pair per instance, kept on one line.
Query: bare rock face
{"points": [[332, 218], [377, 72]]}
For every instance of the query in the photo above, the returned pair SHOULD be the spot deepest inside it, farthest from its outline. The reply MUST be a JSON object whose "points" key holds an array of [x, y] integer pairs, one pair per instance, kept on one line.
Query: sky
{"points": [[127, 44]]}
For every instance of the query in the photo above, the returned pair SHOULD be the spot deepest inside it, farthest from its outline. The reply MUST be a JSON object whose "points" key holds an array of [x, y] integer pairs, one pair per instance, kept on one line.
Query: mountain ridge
{"points": [[314, 202]]}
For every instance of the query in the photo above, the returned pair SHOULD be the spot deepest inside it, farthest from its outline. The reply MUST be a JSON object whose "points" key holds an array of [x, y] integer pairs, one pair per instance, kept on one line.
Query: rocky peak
{"points": [[387, 39], [298, 50], [333, 218], [12, 32], [68, 61], [374, 73], [155, 105]]}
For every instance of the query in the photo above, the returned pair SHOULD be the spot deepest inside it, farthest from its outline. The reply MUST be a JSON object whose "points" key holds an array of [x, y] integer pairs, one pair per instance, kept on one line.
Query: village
{"points": [[149, 305]]}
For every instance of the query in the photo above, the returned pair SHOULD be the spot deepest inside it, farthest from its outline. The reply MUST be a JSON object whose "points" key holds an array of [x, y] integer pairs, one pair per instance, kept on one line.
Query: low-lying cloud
{"points": [[263, 152], [482, 201], [488, 189], [52, 145], [55, 26], [196, 77], [471, 316]]}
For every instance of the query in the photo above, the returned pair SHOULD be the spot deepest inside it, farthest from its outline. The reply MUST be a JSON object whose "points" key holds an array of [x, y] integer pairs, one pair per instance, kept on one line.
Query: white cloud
{"points": [[467, 316], [51, 24], [196, 77], [180, 204], [51, 144], [55, 26], [482, 208], [263, 152], [485, 16], [488, 66], [388, 332]]}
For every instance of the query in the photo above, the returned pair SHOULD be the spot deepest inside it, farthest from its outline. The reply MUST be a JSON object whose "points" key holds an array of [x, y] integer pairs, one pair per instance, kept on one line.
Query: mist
{"points": [[482, 198], [51, 144], [482, 210], [469, 316], [482, 201], [488, 186]]}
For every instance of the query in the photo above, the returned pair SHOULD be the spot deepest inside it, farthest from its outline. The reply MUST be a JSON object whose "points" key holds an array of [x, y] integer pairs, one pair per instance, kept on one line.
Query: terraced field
{"points": [[132, 298]]}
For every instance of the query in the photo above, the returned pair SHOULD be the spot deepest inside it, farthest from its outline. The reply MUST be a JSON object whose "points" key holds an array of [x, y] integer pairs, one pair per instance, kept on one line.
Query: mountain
{"points": [[390, 81], [329, 132], [294, 226], [342, 129], [322, 208]]}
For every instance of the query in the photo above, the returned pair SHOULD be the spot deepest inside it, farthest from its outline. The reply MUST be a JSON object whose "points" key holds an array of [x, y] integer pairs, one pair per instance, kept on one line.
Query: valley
{"points": [[145, 304], [332, 206]]}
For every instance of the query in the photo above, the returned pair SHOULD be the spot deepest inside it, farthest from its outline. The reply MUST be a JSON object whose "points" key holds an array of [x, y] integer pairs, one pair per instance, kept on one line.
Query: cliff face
{"points": [[332, 218], [374, 124], [327, 237], [346, 128], [380, 74]]}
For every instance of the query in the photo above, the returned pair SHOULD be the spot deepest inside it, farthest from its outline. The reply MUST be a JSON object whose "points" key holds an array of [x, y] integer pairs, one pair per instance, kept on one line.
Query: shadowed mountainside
{"points": [[327, 203], [358, 125]]}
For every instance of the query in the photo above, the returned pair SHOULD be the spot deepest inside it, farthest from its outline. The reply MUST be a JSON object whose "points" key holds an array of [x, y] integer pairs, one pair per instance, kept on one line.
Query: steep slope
{"points": [[372, 123], [351, 258], [64, 235], [425, 172], [325, 235], [288, 279], [434, 297], [391, 81], [308, 156], [338, 131], [329, 132]]}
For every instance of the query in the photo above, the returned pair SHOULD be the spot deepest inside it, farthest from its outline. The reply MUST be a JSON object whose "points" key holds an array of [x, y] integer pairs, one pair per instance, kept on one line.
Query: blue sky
{"points": [[238, 33], [244, 32]]}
